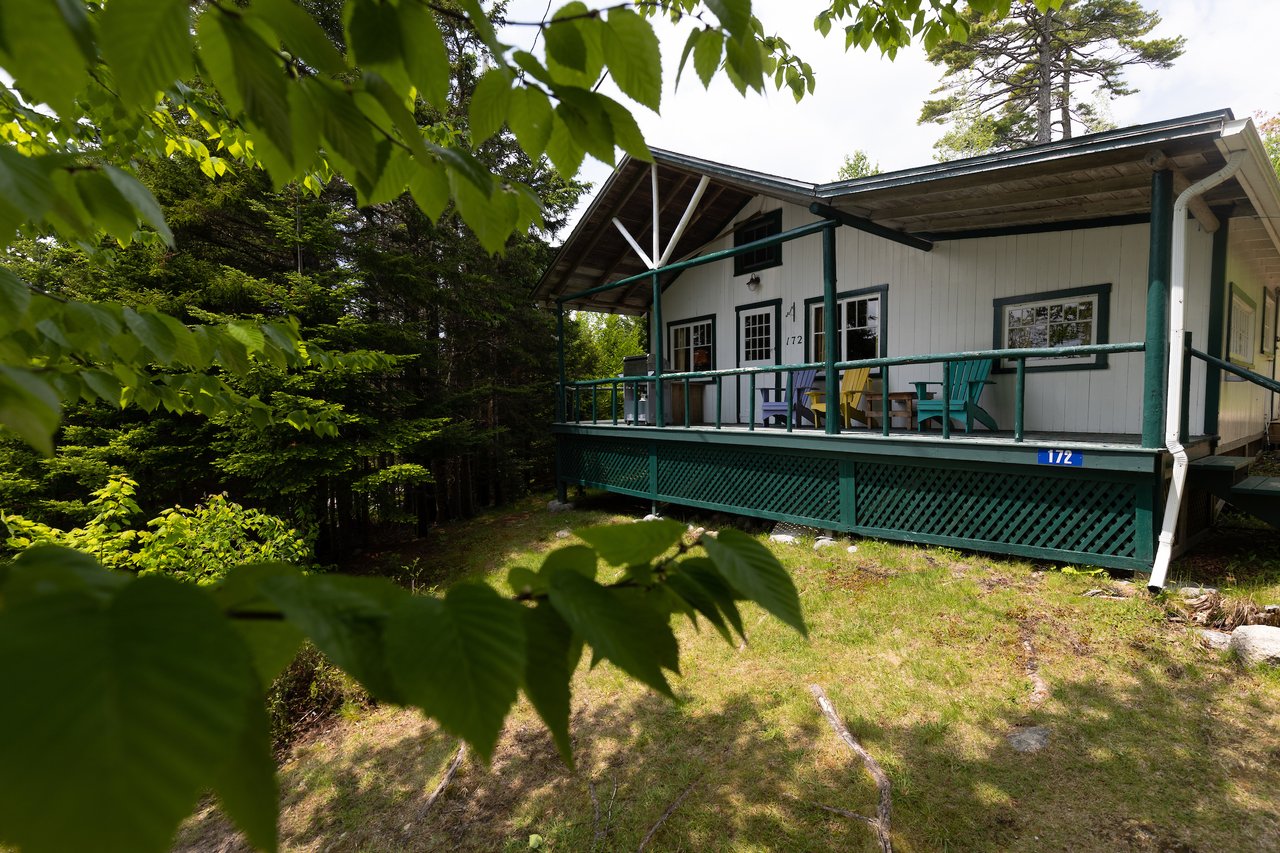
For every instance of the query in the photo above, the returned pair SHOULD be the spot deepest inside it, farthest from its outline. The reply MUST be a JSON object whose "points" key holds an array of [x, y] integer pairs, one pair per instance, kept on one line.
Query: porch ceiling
{"points": [[1091, 179]]}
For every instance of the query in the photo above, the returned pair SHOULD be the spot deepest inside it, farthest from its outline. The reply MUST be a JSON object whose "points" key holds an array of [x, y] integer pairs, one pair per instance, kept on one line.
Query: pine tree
{"points": [[1028, 78]]}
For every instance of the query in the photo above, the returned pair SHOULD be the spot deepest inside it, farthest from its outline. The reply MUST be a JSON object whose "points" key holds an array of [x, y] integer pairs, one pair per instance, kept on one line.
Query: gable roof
{"points": [[1099, 178]]}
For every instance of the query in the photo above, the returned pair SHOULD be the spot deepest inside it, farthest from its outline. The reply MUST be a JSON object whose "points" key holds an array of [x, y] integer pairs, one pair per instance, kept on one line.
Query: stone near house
{"points": [[1257, 644], [563, 534], [1217, 640], [558, 506], [1195, 591], [1029, 738], [852, 549], [824, 542], [652, 517], [783, 538]]}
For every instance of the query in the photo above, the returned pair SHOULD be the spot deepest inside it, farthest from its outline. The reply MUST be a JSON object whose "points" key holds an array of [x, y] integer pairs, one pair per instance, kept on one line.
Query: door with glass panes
{"points": [[757, 347]]}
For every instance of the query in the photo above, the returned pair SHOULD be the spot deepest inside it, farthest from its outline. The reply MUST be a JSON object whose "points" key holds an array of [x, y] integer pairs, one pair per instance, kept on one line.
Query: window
{"points": [[858, 324], [1062, 318], [757, 336], [764, 225], [692, 345], [1268, 322], [1240, 326]]}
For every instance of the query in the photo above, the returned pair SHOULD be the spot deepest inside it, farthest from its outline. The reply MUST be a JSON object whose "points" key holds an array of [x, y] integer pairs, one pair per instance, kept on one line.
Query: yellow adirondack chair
{"points": [[852, 387]]}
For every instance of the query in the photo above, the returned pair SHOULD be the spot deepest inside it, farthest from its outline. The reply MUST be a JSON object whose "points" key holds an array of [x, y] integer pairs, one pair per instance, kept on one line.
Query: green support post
{"points": [[1217, 326], [1020, 401], [659, 415], [829, 328], [1184, 425], [946, 399], [560, 361], [1159, 267], [884, 400], [562, 492]]}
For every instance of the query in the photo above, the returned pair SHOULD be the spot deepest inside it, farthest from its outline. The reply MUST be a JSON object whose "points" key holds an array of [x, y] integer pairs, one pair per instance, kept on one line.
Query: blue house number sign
{"points": [[1071, 458]]}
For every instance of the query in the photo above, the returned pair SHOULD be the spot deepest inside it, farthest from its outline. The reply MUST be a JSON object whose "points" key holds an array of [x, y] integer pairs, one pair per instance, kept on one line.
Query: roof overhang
{"points": [[1098, 179]]}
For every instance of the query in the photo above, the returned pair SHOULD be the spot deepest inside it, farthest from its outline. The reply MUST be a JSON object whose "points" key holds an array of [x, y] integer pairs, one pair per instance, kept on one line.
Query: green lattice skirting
{"points": [[1092, 517]]}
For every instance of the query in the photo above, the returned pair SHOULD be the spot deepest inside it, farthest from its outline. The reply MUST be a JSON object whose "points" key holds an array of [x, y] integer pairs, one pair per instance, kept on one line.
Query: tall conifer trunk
{"points": [[1044, 90]]}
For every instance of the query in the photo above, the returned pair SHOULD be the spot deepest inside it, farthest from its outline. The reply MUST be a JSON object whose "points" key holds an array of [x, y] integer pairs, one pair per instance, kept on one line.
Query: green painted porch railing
{"points": [[577, 390], [1256, 378]]}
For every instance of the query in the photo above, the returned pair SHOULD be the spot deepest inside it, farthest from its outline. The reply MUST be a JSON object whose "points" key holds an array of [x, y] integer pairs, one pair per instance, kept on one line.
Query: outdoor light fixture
{"points": [[753, 283]]}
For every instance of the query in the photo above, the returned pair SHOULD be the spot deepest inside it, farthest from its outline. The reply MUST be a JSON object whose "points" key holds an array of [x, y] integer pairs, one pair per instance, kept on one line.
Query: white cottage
{"points": [[1043, 289]]}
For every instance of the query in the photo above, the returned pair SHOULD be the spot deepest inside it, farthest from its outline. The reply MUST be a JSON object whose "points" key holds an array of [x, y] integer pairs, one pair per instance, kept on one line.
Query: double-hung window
{"points": [[693, 345], [758, 228], [1063, 318], [859, 320]]}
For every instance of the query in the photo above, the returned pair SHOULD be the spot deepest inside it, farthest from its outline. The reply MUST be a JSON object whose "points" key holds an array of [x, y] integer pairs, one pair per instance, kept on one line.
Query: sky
{"points": [[865, 102]]}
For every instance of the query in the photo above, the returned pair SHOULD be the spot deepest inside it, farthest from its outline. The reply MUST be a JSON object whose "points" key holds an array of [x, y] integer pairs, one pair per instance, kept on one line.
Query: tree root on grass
{"points": [[449, 773], [880, 823], [670, 810], [1039, 687]]}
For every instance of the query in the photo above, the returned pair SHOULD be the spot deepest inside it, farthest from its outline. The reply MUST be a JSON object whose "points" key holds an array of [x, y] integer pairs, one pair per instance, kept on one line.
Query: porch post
{"points": [[1217, 324], [1159, 267], [562, 493], [829, 327], [660, 414]]}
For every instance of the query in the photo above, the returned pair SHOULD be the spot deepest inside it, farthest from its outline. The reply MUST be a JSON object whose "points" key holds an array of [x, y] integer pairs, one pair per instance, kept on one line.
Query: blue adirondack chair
{"points": [[794, 407], [968, 378]]}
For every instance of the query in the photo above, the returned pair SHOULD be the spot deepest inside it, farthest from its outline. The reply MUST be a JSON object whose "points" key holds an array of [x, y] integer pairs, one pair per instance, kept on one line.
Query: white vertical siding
{"points": [[1245, 407], [942, 301]]}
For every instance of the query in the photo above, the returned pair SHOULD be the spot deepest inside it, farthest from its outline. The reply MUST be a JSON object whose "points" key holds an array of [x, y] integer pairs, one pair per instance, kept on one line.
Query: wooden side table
{"points": [[902, 405]]}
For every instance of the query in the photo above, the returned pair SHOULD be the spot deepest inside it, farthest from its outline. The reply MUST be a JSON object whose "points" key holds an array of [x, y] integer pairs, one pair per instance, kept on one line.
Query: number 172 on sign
{"points": [[1070, 458]]}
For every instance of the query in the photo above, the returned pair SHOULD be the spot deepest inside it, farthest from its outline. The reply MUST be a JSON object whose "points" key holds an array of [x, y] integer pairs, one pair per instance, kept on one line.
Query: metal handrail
{"points": [[1019, 356]]}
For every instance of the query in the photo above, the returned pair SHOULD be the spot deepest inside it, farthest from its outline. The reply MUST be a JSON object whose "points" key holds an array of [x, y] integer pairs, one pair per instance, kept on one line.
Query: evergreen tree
{"points": [[1028, 78]]}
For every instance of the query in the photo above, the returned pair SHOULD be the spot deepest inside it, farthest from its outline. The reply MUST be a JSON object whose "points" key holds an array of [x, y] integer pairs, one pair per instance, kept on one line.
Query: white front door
{"points": [[757, 347]]}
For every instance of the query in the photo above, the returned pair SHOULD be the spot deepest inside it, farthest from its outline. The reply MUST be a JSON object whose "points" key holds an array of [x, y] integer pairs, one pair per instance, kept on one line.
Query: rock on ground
{"points": [[558, 506], [1029, 738], [824, 542], [1218, 640], [1257, 643], [783, 538]]}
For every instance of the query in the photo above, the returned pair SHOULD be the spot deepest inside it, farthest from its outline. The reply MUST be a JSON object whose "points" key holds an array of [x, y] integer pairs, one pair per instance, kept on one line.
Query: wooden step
{"points": [[1220, 471], [1261, 487], [1258, 496]]}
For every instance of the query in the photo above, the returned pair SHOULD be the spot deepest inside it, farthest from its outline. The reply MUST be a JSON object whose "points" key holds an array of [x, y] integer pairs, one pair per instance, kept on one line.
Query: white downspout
{"points": [[1177, 338]]}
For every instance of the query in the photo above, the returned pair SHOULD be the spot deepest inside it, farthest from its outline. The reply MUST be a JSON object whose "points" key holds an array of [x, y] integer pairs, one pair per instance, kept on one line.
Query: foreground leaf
{"points": [[619, 625], [345, 617], [115, 716], [753, 571], [460, 659], [550, 659], [632, 544]]}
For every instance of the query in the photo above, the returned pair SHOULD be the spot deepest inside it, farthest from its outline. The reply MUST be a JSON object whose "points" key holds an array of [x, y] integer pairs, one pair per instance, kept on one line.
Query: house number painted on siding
{"points": [[795, 339], [1073, 458]]}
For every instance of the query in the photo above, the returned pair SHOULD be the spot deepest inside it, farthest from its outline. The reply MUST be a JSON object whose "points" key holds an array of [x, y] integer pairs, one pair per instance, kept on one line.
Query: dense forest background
{"points": [[453, 419]]}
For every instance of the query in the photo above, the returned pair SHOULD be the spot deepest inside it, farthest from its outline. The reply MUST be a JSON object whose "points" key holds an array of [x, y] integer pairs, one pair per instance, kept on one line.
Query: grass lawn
{"points": [[1155, 743]]}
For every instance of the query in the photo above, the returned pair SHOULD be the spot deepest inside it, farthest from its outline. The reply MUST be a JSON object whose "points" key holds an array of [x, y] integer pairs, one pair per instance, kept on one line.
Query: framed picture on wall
{"points": [[1241, 321], [1268, 322]]}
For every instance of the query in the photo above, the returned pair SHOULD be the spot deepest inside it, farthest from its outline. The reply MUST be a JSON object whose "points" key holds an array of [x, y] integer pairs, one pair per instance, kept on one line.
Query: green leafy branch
{"points": [[54, 351], [117, 768]]}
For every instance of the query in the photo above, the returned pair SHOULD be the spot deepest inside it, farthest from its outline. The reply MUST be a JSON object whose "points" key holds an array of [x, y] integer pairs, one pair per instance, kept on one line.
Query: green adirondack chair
{"points": [[968, 379]]}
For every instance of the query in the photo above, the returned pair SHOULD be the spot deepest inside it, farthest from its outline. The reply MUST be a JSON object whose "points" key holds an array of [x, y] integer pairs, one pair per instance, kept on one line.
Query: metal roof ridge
{"points": [[1062, 148], [714, 168]]}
